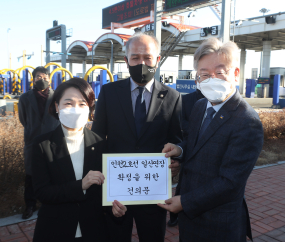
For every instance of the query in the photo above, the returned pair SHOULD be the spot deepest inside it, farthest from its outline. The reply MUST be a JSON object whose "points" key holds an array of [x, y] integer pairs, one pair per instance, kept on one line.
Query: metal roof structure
{"points": [[82, 50], [248, 34], [179, 39]]}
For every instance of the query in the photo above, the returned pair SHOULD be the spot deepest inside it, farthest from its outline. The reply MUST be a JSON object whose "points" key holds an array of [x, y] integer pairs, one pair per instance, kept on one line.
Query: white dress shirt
{"points": [[216, 107], [146, 96]]}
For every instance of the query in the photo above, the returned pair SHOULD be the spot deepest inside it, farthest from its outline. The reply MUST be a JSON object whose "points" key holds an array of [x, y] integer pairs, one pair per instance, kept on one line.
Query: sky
{"points": [[28, 21]]}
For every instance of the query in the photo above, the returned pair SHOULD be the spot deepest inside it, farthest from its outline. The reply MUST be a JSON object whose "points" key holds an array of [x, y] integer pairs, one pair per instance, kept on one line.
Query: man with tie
{"points": [[138, 115], [224, 141]]}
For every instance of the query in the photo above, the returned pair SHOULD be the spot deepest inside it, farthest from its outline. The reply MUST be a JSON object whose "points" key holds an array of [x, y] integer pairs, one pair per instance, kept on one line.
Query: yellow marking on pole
{"points": [[60, 69], [98, 67]]}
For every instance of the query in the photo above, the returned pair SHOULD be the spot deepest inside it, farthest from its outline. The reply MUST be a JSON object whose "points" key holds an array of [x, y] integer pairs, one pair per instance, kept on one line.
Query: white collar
{"points": [[148, 86], [72, 134]]}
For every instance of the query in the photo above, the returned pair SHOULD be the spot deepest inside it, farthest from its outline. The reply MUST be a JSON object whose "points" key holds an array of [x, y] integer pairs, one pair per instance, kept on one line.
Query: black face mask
{"points": [[41, 84], [142, 73]]}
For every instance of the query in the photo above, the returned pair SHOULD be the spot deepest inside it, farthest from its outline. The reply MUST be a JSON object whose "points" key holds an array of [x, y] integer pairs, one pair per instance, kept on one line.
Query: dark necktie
{"points": [[207, 121], [140, 111]]}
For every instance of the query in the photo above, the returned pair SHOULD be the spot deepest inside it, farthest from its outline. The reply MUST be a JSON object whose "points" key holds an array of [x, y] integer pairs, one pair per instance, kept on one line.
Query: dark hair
{"points": [[40, 69], [82, 86]]}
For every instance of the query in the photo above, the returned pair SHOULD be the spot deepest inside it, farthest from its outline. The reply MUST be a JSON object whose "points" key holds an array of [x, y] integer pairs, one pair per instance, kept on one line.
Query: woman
{"points": [[66, 166]]}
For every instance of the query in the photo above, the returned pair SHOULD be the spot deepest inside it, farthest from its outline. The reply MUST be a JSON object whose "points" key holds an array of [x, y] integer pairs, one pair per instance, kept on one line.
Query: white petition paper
{"points": [[137, 178]]}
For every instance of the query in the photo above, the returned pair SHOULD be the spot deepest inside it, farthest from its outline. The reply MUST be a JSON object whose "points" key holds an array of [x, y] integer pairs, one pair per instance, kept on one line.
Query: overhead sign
{"points": [[54, 34], [126, 11], [263, 81], [185, 86], [209, 30], [149, 27], [176, 4]]}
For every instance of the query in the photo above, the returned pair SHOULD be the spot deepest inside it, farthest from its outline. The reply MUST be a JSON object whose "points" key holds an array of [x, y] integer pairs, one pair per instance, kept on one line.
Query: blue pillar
{"points": [[4, 86], [25, 81], [115, 78], [93, 88], [59, 76], [276, 86], [54, 79], [103, 77], [9, 84], [97, 89], [250, 88]]}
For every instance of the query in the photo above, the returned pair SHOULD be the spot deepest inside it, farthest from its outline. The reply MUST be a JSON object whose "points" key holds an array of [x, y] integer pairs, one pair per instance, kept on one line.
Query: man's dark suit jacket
{"points": [[114, 119], [63, 202], [188, 102], [215, 172], [34, 125]]}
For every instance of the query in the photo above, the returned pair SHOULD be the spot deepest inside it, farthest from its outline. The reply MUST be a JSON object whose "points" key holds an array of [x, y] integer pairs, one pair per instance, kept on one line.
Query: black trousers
{"points": [[150, 222], [29, 194]]}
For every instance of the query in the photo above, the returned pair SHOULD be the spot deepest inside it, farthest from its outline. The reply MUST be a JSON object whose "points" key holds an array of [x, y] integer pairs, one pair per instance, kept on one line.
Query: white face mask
{"points": [[74, 118], [215, 90]]}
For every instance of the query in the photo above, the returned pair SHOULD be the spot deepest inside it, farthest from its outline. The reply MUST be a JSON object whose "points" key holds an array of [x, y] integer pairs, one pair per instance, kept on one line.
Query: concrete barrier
{"points": [[259, 101], [2, 106]]}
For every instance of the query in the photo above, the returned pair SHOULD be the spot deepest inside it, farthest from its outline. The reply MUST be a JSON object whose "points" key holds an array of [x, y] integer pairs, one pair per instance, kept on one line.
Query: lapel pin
{"points": [[92, 148], [221, 117], [161, 95]]}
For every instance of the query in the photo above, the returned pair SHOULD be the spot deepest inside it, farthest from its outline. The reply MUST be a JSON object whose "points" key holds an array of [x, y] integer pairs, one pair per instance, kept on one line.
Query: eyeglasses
{"points": [[219, 74]]}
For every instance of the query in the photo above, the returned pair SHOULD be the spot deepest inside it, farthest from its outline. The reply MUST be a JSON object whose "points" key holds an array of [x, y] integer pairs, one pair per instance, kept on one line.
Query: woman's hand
{"points": [[92, 177], [118, 209]]}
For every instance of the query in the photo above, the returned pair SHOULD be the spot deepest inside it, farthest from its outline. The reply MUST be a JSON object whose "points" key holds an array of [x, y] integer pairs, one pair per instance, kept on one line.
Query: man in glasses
{"points": [[224, 141]]}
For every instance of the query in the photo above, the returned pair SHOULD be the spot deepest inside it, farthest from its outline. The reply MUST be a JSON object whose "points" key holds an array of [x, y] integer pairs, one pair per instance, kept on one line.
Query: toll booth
{"points": [[185, 82], [278, 71], [186, 74], [123, 75]]}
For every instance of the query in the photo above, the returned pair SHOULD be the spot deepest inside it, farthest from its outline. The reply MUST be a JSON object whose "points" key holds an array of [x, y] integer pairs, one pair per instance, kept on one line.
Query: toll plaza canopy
{"points": [[81, 51], [261, 34], [248, 33]]}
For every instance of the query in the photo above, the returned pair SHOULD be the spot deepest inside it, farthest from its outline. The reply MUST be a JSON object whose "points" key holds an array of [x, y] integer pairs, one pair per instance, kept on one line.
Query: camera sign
{"points": [[209, 30]]}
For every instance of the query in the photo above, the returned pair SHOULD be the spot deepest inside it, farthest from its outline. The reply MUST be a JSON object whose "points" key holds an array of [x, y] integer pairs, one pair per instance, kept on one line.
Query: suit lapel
{"points": [[157, 98], [33, 102], [61, 154], [196, 120], [221, 117], [124, 95]]}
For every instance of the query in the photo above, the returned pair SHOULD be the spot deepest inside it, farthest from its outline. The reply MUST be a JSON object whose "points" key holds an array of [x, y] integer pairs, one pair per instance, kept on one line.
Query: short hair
{"points": [[139, 35], [82, 86], [40, 69], [213, 45]]}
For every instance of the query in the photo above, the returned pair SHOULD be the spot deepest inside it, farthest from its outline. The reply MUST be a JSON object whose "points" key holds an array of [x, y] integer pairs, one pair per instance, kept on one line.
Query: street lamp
{"points": [[264, 10]]}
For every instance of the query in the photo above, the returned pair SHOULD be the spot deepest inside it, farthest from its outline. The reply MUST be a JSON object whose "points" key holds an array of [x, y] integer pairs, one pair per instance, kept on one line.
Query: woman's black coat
{"points": [[63, 202]]}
